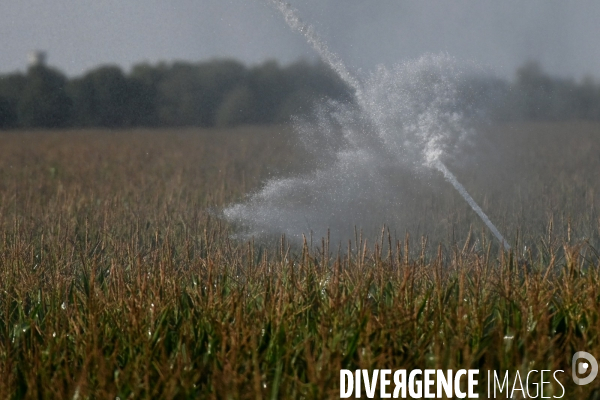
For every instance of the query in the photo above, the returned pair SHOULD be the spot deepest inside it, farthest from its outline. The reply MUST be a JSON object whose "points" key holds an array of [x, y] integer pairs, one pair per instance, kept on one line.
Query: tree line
{"points": [[228, 93], [532, 96], [215, 93]]}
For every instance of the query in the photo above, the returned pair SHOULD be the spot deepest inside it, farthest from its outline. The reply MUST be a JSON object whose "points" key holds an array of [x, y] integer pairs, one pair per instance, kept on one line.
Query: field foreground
{"points": [[118, 281]]}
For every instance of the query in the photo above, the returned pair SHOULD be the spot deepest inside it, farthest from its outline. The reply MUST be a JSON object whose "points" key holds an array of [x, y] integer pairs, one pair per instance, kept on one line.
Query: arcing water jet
{"points": [[463, 192], [337, 65], [401, 113]]}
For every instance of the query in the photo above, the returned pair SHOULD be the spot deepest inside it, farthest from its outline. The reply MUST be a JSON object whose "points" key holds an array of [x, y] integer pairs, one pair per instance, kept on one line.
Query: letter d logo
{"points": [[584, 367]]}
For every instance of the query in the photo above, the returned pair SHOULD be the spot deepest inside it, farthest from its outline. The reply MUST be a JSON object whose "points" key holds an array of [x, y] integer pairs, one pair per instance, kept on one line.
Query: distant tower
{"points": [[37, 58]]}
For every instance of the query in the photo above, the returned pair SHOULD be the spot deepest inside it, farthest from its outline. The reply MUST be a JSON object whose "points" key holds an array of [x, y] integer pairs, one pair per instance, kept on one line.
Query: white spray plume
{"points": [[406, 118]]}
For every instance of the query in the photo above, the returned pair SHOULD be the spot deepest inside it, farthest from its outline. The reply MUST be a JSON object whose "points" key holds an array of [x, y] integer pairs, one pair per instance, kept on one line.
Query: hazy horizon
{"points": [[500, 36]]}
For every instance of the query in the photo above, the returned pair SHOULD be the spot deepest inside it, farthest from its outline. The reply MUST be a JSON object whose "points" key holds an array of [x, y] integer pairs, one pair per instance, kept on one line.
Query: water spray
{"points": [[332, 59], [366, 104], [463, 192]]}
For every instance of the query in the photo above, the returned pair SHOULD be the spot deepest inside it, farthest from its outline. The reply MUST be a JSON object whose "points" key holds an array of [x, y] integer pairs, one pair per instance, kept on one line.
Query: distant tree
{"points": [[237, 107], [270, 87], [299, 102], [44, 102], [191, 94], [151, 77], [588, 99], [8, 115], [106, 97], [306, 85], [142, 104], [317, 79], [541, 97], [11, 88], [273, 94]]}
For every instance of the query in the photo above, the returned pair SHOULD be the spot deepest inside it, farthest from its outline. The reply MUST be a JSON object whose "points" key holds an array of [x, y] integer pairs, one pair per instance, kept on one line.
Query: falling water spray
{"points": [[334, 61], [402, 116], [463, 192]]}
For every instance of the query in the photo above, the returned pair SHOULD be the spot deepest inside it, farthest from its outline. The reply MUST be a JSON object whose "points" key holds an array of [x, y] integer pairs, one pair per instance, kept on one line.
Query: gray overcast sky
{"points": [[81, 34]]}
